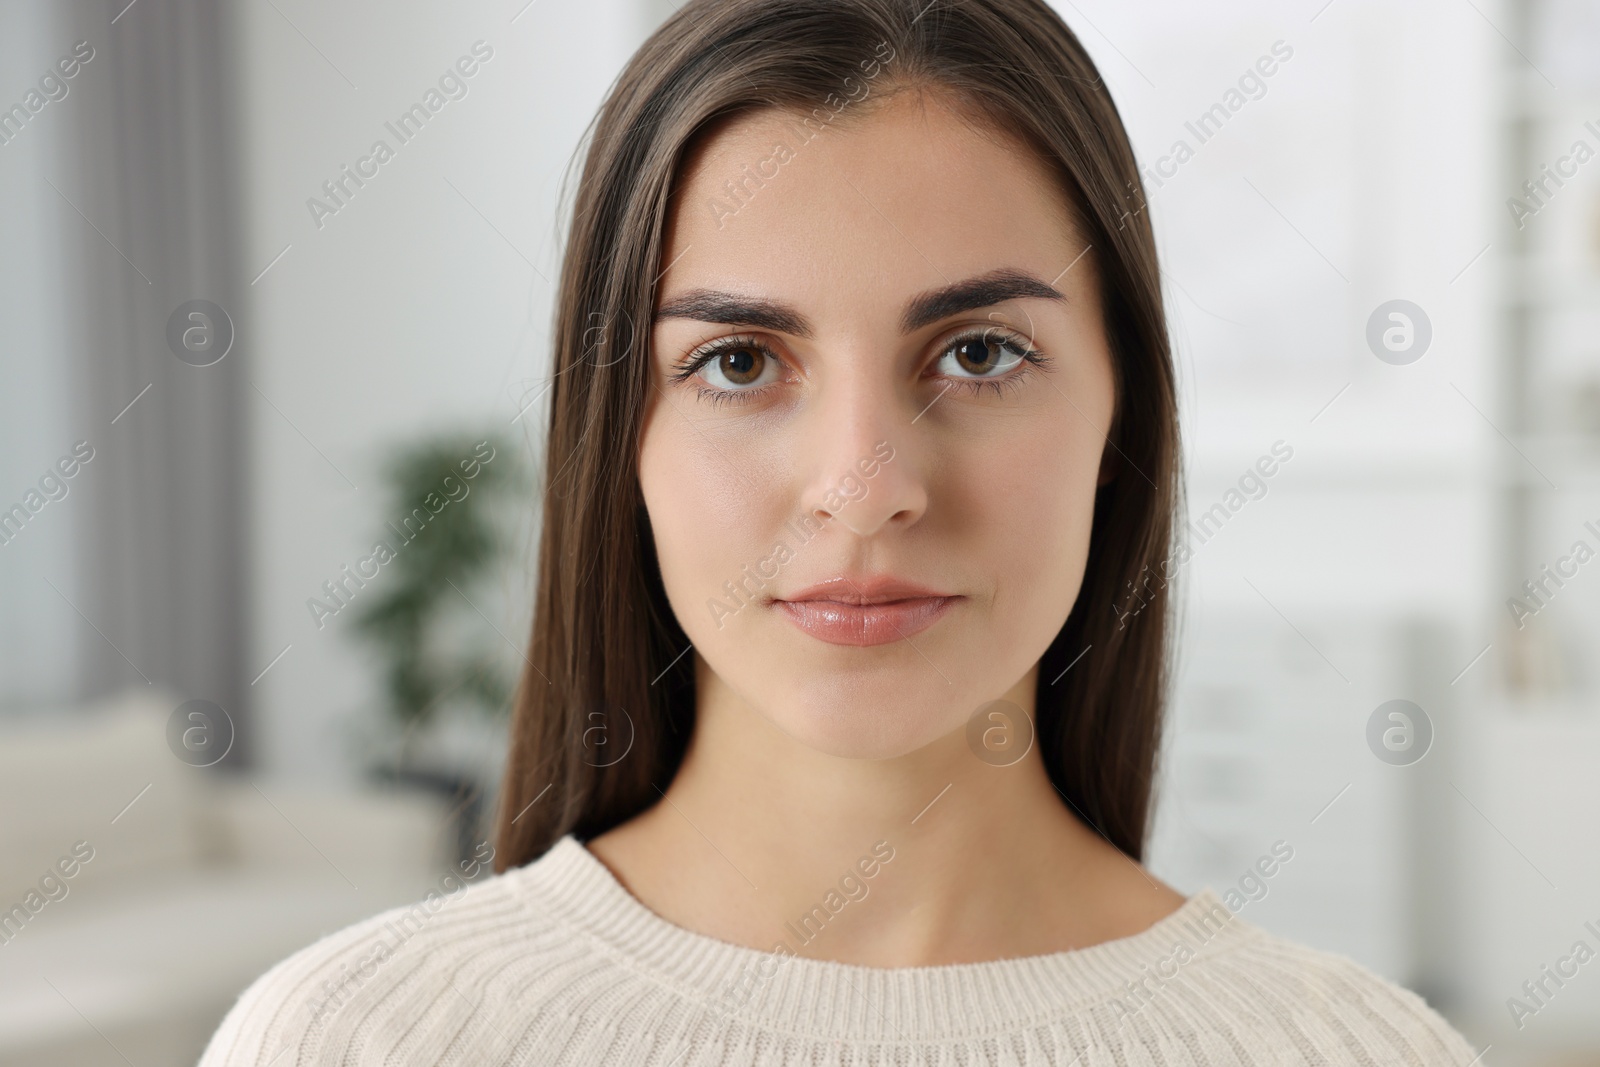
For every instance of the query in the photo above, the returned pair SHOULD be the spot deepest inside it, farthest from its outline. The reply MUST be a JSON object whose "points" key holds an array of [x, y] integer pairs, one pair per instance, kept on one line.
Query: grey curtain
{"points": [[150, 165]]}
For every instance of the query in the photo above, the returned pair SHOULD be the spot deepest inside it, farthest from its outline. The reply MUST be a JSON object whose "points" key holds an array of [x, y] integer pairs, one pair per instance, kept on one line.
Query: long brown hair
{"points": [[608, 670]]}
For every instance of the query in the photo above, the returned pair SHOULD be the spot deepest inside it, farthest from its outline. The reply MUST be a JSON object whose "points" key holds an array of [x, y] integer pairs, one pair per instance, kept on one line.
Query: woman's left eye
{"points": [[988, 354]]}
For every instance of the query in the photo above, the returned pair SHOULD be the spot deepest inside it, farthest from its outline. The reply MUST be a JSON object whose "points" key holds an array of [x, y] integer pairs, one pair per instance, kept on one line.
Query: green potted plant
{"points": [[449, 499]]}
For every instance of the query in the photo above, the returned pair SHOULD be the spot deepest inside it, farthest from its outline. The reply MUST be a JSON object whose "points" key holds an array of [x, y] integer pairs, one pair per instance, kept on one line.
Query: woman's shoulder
{"points": [[1297, 995], [323, 999]]}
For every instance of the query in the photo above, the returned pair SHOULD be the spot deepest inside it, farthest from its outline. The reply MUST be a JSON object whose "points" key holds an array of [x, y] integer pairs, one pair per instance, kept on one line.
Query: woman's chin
{"points": [[864, 729]]}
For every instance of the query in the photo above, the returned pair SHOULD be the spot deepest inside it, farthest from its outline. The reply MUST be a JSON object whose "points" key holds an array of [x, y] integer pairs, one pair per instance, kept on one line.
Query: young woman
{"points": [[837, 738]]}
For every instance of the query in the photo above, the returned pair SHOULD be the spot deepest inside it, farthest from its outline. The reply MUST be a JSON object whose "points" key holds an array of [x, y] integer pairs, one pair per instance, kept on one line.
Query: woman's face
{"points": [[872, 502]]}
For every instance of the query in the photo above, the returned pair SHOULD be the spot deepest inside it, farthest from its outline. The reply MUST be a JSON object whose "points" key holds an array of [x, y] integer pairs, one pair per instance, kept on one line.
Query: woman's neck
{"points": [[929, 858]]}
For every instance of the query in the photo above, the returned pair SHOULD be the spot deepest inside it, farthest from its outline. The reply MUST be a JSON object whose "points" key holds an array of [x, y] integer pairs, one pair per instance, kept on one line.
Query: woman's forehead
{"points": [[901, 198]]}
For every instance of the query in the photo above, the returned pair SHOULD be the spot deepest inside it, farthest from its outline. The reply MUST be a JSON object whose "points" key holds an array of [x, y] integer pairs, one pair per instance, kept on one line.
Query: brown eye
{"points": [[983, 355], [740, 366]]}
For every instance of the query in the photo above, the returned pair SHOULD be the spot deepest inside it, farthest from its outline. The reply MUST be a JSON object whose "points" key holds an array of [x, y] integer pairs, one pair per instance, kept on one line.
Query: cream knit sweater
{"points": [[555, 963]]}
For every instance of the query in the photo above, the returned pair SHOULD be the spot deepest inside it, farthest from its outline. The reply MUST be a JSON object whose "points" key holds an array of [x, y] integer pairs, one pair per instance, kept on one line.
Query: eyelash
{"points": [[1031, 356]]}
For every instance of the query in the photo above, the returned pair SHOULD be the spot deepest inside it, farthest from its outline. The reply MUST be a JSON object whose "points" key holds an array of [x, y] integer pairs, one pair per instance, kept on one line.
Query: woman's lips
{"points": [[840, 623]]}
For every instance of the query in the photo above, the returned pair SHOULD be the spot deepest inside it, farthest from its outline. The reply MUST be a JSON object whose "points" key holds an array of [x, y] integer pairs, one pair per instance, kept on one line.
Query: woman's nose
{"points": [[863, 460]]}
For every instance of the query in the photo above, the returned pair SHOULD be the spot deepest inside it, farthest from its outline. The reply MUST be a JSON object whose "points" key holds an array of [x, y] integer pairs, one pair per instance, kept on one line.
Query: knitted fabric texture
{"points": [[556, 963]]}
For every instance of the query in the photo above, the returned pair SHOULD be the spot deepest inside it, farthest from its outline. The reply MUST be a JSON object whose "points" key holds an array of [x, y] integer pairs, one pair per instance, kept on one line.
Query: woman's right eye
{"points": [[730, 367], [737, 368]]}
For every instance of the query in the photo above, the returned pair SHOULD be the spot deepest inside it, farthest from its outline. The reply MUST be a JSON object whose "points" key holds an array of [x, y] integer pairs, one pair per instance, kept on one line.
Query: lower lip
{"points": [[865, 624]]}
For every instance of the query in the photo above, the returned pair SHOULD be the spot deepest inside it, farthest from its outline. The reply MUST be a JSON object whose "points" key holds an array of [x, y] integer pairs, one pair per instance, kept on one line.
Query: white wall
{"points": [[410, 310], [1361, 173]]}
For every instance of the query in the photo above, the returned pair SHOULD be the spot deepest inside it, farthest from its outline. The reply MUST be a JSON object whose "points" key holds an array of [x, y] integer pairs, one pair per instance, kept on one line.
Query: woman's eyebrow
{"points": [[984, 290]]}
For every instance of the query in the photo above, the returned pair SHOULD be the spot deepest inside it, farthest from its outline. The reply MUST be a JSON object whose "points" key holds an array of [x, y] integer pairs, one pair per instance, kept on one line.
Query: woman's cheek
{"points": [[675, 494], [708, 519], [1039, 525]]}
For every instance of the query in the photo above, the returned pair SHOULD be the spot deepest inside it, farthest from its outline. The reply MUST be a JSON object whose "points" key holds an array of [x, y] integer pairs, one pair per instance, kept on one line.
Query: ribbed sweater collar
{"points": [[839, 1001]]}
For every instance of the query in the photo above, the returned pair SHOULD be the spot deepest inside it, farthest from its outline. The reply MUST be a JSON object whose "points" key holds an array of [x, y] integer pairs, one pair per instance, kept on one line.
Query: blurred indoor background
{"points": [[228, 369]]}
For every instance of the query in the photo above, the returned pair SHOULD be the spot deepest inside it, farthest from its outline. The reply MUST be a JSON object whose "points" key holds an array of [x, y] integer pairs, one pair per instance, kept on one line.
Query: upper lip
{"points": [[863, 589]]}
